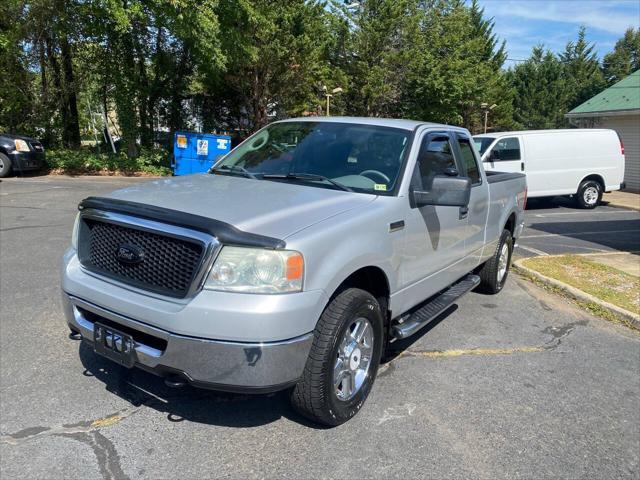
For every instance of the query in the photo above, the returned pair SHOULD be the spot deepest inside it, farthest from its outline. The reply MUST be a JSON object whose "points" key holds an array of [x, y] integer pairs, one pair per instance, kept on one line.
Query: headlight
{"points": [[74, 235], [256, 270], [21, 146]]}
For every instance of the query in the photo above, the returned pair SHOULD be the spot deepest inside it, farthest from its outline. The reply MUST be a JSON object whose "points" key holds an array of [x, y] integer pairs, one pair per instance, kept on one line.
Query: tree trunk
{"points": [[71, 127]]}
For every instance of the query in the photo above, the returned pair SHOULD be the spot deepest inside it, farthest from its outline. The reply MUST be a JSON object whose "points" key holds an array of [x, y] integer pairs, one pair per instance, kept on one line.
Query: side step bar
{"points": [[412, 322]]}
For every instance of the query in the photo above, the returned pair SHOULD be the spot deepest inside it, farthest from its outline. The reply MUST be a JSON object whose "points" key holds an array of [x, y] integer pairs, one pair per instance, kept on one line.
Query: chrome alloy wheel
{"points": [[590, 195], [1, 163], [353, 359], [503, 262]]}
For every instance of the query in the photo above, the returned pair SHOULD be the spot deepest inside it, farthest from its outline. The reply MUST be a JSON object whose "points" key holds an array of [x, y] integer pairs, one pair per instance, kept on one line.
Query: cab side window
{"points": [[469, 160], [435, 156], [506, 149]]}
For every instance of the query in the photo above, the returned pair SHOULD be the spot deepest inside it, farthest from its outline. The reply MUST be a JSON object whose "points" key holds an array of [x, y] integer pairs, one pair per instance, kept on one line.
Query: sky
{"points": [[526, 23]]}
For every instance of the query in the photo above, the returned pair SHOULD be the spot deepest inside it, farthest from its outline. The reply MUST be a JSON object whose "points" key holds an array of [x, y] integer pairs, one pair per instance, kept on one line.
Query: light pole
{"points": [[486, 109], [329, 95]]}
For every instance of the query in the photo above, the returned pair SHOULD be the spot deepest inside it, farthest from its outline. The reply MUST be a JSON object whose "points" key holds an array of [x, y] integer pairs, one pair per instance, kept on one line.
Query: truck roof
{"points": [[535, 132], [382, 122]]}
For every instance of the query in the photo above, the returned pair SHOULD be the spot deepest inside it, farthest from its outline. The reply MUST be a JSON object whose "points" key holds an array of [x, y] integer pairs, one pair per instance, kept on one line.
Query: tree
{"points": [[625, 58], [275, 62], [457, 67], [583, 76], [542, 91]]}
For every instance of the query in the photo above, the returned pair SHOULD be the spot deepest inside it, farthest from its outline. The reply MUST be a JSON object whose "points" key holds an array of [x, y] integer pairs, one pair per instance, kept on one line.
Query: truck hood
{"points": [[272, 208]]}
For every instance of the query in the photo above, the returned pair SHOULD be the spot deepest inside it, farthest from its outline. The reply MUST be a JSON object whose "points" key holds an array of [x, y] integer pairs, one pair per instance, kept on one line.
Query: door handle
{"points": [[522, 166], [463, 213]]}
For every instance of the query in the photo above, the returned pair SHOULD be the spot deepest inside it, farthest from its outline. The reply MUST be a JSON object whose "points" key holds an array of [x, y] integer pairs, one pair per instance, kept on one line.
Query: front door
{"points": [[434, 235], [505, 156]]}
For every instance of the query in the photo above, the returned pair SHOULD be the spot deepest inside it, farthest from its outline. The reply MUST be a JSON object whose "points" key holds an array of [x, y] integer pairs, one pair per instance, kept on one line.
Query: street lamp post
{"points": [[329, 95], [486, 109]]}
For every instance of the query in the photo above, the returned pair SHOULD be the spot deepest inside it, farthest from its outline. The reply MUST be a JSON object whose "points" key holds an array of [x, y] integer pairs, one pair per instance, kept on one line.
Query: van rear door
{"points": [[505, 155]]}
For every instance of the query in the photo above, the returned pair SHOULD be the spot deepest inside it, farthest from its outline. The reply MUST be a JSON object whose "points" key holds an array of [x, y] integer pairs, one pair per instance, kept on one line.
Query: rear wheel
{"points": [[5, 166], [589, 194], [494, 272], [343, 361]]}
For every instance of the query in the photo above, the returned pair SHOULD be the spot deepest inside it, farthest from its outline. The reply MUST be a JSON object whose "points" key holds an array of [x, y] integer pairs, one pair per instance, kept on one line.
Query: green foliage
{"points": [[582, 71], [87, 161], [625, 58], [234, 65], [542, 94]]}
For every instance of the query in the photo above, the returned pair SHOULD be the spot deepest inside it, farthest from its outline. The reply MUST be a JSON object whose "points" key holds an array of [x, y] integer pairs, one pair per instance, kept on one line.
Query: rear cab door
{"points": [[478, 208]]}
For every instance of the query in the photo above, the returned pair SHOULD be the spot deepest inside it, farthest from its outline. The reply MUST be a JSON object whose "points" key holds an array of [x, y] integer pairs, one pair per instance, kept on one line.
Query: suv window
{"points": [[469, 160], [436, 155], [506, 149]]}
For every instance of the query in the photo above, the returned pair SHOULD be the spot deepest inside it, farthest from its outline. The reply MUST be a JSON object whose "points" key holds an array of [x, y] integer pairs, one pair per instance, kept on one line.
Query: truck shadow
{"points": [[141, 388]]}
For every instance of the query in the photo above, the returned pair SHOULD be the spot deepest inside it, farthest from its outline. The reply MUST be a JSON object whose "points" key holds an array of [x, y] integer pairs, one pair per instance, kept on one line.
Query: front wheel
{"points": [[5, 166], [343, 361], [494, 272], [589, 194]]}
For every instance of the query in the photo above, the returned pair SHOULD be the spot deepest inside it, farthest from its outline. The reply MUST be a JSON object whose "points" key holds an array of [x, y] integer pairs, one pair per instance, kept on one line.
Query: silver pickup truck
{"points": [[296, 261]]}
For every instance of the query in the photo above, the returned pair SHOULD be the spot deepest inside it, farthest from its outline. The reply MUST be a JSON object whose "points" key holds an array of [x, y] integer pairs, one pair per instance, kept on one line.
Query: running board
{"points": [[412, 322]]}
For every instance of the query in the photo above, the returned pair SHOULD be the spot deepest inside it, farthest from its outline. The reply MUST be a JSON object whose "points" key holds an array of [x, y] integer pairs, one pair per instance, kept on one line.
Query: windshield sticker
{"points": [[380, 186]]}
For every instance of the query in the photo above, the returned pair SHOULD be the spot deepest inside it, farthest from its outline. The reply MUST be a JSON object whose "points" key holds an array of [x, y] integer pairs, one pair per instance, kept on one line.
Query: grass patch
{"points": [[602, 281]]}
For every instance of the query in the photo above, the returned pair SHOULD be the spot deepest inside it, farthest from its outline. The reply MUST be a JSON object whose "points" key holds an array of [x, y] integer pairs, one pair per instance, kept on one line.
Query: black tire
{"points": [[5, 166], [314, 396], [589, 194], [490, 280]]}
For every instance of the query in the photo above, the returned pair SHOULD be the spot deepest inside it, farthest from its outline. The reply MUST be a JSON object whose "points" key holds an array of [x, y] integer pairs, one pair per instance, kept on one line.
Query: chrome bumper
{"points": [[215, 364]]}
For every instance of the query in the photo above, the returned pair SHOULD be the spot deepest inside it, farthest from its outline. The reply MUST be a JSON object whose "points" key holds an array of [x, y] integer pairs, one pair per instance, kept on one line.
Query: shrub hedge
{"points": [[85, 161]]}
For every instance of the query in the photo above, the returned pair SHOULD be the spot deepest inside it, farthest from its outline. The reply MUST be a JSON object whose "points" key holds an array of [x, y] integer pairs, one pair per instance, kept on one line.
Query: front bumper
{"points": [[216, 364], [21, 161]]}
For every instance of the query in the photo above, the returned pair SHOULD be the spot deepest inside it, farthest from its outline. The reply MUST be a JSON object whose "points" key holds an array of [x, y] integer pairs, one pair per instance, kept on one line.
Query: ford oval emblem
{"points": [[129, 254]]}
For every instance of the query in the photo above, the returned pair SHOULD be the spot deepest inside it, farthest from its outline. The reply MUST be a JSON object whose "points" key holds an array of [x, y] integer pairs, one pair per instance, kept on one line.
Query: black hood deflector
{"points": [[224, 232]]}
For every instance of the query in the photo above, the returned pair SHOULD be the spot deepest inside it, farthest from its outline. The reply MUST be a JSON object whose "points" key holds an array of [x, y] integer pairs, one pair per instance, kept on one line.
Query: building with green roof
{"points": [[617, 108]]}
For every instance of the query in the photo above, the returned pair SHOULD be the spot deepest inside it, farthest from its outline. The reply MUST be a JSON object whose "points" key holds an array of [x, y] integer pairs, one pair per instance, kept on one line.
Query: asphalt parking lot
{"points": [[518, 385]]}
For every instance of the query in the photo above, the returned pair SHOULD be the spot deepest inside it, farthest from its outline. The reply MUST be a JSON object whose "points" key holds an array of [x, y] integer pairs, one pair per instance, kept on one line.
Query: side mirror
{"points": [[445, 191], [493, 156]]}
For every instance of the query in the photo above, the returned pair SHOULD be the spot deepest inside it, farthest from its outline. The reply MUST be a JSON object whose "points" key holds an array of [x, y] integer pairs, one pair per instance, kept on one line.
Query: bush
{"points": [[84, 161]]}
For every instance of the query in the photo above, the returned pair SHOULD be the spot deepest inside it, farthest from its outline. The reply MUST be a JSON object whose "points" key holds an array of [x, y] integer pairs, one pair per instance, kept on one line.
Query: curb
{"points": [[578, 294]]}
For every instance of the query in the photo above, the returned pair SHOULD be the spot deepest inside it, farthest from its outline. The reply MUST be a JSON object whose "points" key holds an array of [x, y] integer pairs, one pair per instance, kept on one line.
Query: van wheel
{"points": [[494, 272], [343, 361], [589, 194], [5, 166]]}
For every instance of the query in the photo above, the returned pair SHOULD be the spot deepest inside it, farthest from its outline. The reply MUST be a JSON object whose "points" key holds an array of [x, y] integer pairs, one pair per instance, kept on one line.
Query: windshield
{"points": [[362, 158], [482, 143]]}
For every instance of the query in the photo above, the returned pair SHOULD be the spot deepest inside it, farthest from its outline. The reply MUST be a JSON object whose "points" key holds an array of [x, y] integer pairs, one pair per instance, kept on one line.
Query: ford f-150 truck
{"points": [[296, 261]]}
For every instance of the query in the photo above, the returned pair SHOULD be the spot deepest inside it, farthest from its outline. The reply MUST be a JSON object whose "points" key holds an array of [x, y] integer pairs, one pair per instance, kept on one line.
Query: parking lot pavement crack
{"points": [[105, 452], [557, 333], [88, 426]]}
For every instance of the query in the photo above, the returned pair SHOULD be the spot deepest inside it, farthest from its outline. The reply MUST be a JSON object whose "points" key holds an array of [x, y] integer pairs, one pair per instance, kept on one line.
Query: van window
{"points": [[482, 143], [469, 160], [436, 155], [506, 149]]}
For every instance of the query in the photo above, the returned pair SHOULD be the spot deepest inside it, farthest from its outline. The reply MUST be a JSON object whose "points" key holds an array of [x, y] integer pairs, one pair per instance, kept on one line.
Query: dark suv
{"points": [[18, 153]]}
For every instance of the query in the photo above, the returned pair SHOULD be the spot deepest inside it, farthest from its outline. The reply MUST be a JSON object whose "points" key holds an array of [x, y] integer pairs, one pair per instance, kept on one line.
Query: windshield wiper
{"points": [[306, 176], [234, 169]]}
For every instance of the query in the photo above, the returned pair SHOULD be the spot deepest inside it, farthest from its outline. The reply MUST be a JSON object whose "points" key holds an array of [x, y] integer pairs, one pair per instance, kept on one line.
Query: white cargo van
{"points": [[582, 163]]}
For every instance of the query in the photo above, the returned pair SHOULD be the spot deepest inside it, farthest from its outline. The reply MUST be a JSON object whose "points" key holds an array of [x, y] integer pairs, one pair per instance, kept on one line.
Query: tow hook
{"points": [[175, 381], [75, 335]]}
